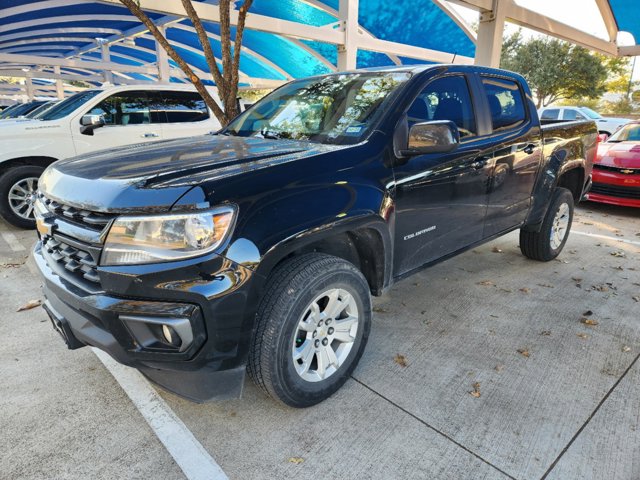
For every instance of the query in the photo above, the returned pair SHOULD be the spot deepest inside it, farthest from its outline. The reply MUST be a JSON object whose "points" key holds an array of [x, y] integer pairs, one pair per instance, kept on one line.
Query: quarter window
{"points": [[570, 114], [445, 98], [506, 103]]}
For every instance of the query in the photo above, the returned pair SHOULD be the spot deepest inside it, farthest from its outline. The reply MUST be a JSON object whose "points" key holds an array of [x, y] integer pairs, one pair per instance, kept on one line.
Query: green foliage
{"points": [[624, 106], [592, 103], [554, 69]]}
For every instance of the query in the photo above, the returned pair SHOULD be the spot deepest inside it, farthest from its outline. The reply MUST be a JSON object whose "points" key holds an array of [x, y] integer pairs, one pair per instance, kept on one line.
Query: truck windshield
{"points": [[69, 105], [590, 113], [627, 133], [337, 109]]}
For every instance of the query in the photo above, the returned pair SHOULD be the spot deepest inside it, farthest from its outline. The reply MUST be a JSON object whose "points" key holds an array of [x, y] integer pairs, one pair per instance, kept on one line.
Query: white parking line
{"points": [[13, 242], [189, 454], [606, 237]]}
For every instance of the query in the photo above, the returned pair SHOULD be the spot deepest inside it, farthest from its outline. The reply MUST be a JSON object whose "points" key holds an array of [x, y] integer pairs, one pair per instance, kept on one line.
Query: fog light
{"points": [[148, 331], [171, 336]]}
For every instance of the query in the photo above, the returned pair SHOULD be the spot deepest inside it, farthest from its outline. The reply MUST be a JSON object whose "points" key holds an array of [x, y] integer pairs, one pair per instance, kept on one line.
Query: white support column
{"points": [[106, 57], [490, 30], [59, 85], [28, 85], [162, 59], [348, 52]]}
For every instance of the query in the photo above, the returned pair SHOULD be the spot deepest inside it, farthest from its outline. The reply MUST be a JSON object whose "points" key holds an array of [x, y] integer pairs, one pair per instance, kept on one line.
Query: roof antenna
{"points": [[454, 57]]}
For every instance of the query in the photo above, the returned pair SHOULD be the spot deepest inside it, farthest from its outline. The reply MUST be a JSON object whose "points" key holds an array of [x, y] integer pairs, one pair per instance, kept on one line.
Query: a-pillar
{"points": [[490, 30], [348, 52]]}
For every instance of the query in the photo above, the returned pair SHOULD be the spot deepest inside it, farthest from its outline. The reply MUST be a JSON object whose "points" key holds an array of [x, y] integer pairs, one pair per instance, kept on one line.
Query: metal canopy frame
{"points": [[113, 46]]}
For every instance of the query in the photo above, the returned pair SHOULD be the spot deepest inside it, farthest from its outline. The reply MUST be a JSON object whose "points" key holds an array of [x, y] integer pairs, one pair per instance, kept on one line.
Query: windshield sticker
{"points": [[353, 130]]}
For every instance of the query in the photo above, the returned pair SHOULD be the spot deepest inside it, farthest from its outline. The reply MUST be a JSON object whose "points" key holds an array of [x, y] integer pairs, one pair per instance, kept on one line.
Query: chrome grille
{"points": [[96, 221]]}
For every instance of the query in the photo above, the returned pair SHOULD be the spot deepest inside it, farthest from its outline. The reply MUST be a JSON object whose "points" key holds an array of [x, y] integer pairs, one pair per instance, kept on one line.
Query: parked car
{"points": [[97, 119], [260, 246], [36, 113], [616, 170], [606, 125], [20, 110]]}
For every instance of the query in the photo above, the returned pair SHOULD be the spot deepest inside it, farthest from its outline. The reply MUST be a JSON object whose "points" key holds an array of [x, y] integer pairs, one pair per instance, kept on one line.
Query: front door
{"points": [[441, 199], [128, 121]]}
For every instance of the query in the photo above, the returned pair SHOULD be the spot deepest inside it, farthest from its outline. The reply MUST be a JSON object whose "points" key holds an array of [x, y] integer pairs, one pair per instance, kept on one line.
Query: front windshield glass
{"points": [[627, 133], [337, 109], [590, 113], [68, 105], [6, 113], [40, 110]]}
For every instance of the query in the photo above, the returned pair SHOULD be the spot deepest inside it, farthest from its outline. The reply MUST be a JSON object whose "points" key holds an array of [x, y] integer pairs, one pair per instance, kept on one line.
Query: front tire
{"points": [[18, 188], [546, 244], [312, 327]]}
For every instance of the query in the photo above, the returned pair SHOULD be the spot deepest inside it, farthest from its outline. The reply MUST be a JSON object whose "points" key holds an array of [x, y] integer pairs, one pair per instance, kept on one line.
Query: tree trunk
{"points": [[227, 80]]}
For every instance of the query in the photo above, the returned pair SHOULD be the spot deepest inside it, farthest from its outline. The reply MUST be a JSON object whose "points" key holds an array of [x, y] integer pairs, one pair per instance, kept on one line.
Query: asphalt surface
{"points": [[482, 367]]}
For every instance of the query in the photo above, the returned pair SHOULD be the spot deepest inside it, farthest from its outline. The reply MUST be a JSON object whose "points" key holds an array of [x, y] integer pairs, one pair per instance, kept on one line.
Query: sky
{"points": [[588, 20]]}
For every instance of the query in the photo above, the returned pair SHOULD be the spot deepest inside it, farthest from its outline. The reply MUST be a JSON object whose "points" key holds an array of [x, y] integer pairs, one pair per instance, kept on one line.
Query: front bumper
{"points": [[615, 188], [209, 293]]}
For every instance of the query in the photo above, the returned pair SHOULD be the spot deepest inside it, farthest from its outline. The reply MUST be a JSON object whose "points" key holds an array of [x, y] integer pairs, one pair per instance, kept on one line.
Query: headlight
{"points": [[162, 238]]}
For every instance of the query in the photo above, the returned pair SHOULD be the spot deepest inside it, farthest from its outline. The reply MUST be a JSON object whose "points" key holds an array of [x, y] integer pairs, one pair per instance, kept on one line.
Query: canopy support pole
{"points": [[106, 57], [348, 52], [59, 85], [490, 30], [162, 59], [28, 84]]}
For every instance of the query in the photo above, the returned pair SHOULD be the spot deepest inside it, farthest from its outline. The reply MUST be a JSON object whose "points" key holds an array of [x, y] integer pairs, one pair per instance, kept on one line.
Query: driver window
{"points": [[446, 98], [125, 108]]}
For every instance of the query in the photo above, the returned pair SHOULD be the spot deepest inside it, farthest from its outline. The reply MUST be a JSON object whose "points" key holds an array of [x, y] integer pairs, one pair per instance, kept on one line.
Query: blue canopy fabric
{"points": [[627, 15], [57, 28]]}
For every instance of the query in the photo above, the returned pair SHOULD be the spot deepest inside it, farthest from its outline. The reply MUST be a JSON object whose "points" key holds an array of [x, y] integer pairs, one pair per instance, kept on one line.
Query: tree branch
{"points": [[184, 66]]}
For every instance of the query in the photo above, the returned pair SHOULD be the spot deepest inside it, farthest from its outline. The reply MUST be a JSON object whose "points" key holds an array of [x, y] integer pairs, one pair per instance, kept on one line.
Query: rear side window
{"points": [[445, 98], [124, 108], [505, 102], [550, 114], [177, 107], [570, 114]]}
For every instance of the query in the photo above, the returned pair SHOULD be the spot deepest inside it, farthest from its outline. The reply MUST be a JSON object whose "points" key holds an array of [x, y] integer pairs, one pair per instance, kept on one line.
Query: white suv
{"points": [[91, 120], [606, 125]]}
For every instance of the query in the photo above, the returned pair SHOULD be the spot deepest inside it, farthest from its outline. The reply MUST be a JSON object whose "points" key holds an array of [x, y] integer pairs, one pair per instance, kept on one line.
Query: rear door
{"points": [[183, 114], [441, 199], [128, 121], [517, 152]]}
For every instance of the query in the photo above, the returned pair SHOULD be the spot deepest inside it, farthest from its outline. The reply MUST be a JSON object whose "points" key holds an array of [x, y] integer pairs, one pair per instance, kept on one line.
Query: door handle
{"points": [[529, 149], [149, 135]]}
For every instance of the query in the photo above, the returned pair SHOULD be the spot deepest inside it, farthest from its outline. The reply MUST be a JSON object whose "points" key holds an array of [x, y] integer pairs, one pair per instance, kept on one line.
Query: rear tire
{"points": [[546, 244], [313, 303], [17, 193]]}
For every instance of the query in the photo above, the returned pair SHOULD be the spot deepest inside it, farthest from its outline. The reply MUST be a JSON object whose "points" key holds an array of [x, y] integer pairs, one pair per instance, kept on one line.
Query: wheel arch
{"points": [[39, 161]]}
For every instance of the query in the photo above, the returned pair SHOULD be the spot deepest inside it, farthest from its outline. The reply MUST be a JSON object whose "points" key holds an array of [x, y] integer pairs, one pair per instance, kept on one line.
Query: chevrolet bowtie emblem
{"points": [[43, 226], [628, 171]]}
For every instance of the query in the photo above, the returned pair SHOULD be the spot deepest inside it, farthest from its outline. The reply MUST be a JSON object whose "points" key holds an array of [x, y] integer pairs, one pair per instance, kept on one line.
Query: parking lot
{"points": [[486, 366]]}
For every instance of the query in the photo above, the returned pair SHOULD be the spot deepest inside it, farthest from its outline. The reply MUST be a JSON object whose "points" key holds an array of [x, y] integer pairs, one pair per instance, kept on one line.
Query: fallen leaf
{"points": [[582, 335], [588, 313], [636, 299], [296, 460], [589, 321], [525, 290], [499, 367], [524, 352], [400, 360], [576, 279], [545, 285], [379, 310], [618, 254], [545, 333], [600, 288], [29, 305], [476, 390], [496, 250], [487, 283], [626, 348]]}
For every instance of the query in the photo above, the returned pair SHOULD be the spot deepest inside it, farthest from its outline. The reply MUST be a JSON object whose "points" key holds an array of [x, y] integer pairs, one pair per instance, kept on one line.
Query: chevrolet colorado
{"points": [[258, 248]]}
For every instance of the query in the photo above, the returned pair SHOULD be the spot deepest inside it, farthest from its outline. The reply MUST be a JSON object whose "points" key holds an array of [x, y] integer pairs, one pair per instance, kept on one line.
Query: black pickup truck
{"points": [[258, 248]]}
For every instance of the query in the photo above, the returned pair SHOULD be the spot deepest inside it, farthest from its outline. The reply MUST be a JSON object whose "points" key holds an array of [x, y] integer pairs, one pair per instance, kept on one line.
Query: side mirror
{"points": [[90, 123], [439, 136], [602, 137]]}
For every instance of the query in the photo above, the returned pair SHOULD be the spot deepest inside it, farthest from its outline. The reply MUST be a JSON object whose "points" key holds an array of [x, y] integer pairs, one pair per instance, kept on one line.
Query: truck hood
{"points": [[152, 177], [621, 155]]}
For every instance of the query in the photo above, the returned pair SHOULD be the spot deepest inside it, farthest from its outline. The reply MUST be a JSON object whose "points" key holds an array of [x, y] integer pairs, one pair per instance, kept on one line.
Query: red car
{"points": [[616, 170]]}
